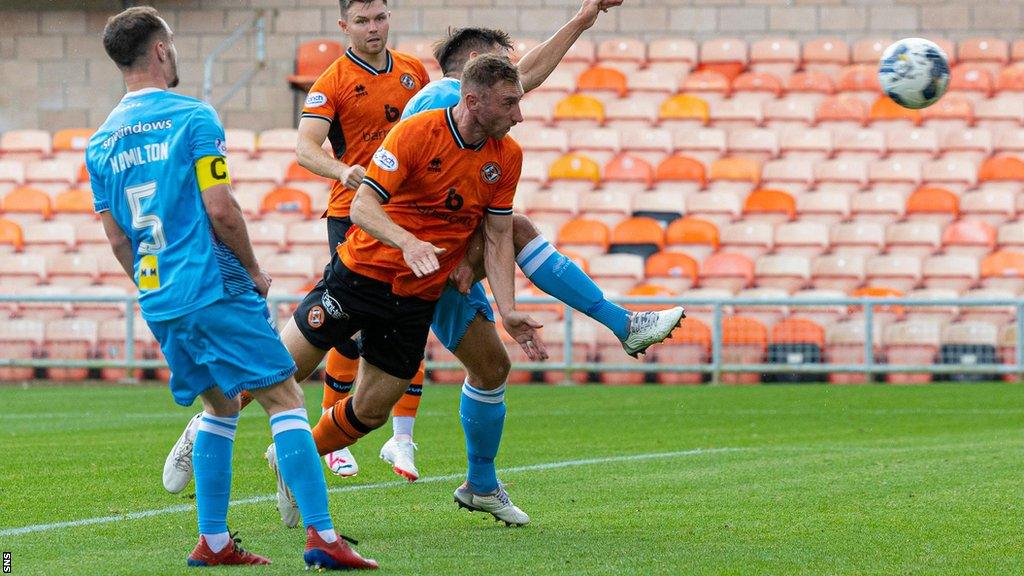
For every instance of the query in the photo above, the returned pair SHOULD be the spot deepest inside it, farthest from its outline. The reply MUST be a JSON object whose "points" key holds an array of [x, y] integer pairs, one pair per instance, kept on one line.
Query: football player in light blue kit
{"points": [[162, 189], [464, 320]]}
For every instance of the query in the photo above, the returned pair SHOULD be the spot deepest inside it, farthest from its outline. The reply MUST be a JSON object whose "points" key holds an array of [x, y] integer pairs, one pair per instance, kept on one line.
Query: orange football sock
{"points": [[338, 428], [409, 403], [341, 373]]}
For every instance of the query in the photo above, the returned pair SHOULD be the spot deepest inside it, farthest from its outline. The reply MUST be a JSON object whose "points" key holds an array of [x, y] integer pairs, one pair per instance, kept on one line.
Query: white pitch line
{"points": [[359, 487]]}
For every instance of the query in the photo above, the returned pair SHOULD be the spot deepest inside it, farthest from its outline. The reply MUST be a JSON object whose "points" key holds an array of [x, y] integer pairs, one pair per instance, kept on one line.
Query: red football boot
{"points": [[232, 554], [334, 556]]}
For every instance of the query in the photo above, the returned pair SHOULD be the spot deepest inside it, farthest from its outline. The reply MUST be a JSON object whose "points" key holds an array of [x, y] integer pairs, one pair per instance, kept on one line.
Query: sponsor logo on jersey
{"points": [[391, 114], [315, 99], [332, 306], [315, 318], [434, 165], [408, 82], [137, 128], [386, 160], [453, 201], [490, 172]]}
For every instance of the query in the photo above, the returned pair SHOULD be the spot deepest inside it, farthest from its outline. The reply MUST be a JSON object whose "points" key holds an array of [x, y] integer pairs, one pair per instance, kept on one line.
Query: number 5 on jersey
{"points": [[149, 275]]}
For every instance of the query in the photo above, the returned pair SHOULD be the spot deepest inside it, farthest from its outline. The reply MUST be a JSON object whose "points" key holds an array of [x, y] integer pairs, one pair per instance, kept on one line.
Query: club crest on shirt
{"points": [[315, 319], [386, 160], [408, 82], [490, 172], [315, 99], [222, 147]]}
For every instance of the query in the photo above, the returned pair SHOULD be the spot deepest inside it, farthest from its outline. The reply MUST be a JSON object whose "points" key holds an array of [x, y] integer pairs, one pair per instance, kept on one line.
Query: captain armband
{"points": [[211, 171]]}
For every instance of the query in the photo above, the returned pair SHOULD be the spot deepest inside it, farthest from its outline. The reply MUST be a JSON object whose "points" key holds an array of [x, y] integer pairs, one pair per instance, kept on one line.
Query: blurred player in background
{"points": [[162, 189]]}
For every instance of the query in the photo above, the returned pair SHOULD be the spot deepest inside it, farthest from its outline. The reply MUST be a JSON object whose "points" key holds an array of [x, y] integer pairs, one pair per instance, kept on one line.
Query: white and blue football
{"points": [[914, 72]]}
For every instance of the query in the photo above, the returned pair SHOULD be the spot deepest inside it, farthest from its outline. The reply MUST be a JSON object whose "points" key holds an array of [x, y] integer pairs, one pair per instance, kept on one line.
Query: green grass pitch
{"points": [[773, 480]]}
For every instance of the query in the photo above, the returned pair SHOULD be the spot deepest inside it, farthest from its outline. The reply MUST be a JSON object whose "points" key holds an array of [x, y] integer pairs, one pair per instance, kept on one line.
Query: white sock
{"points": [[402, 425], [328, 535], [217, 542]]}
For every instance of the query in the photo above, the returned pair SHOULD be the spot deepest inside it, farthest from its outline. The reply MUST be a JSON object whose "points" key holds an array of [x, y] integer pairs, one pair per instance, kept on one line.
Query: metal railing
{"points": [[716, 366], [259, 23]]}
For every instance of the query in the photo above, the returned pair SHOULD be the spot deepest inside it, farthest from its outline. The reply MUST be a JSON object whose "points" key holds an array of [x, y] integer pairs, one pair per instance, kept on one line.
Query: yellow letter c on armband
{"points": [[211, 171]]}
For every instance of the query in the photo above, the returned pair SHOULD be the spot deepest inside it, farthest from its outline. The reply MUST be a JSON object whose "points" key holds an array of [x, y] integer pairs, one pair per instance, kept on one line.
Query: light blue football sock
{"points": [[559, 276], [211, 463], [483, 418], [299, 463]]}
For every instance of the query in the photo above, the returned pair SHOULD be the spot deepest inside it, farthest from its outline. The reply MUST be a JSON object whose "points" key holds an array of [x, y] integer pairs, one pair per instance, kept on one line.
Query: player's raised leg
{"points": [[559, 276], [342, 367]]}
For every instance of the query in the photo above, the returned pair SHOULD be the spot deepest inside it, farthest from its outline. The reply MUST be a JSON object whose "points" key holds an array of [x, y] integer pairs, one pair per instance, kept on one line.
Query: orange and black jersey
{"points": [[438, 187], [362, 104]]}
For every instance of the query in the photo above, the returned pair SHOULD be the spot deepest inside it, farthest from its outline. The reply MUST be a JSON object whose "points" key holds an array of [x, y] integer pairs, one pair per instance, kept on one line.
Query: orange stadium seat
{"points": [[626, 168], [971, 80], [748, 237], [603, 80], [1001, 169], [696, 237], [777, 56], [798, 331], [771, 205], [735, 173], [934, 205], [311, 59], [891, 115], [684, 108], [287, 202], [689, 345], [883, 314], [727, 56], [579, 108], [642, 236], [576, 168], [673, 270], [25, 144], [11, 239], [826, 56], [970, 237], [725, 270], [72, 140], [843, 272], [26, 201], [744, 341], [842, 112], [585, 237], [1003, 269], [756, 86], [74, 202]]}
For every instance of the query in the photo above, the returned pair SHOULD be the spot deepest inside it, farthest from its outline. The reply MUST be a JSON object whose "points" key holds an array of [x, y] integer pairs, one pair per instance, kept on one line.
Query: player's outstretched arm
{"points": [[500, 263], [310, 153], [119, 243], [367, 213], [537, 64], [229, 226]]}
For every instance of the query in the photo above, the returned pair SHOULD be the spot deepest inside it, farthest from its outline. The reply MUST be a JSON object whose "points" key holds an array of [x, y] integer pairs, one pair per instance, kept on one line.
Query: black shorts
{"points": [[337, 228], [394, 328]]}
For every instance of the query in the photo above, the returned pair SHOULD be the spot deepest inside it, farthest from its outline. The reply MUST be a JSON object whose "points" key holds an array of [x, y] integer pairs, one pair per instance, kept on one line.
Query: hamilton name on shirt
{"points": [[139, 155]]}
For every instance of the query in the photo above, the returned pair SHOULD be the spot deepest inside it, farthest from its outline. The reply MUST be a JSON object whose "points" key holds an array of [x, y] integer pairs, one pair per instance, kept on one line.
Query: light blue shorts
{"points": [[229, 344], [455, 311]]}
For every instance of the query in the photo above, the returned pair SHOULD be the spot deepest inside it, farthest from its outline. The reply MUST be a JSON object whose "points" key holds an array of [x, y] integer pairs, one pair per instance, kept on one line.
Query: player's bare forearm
{"points": [[499, 261], [537, 64], [229, 225], [119, 243], [367, 213], [310, 153]]}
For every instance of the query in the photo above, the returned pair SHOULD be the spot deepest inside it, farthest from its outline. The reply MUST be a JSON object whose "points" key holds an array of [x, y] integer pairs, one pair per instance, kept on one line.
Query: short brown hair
{"points": [[128, 35], [452, 52], [346, 4], [486, 70]]}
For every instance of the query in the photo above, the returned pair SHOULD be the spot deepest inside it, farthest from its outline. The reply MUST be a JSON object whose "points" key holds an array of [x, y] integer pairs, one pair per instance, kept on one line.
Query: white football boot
{"points": [[401, 454], [178, 464], [497, 504], [286, 505], [342, 463], [649, 328]]}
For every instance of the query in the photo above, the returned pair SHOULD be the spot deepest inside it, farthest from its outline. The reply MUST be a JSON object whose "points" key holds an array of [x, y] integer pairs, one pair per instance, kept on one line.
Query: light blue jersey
{"points": [[142, 165], [443, 93]]}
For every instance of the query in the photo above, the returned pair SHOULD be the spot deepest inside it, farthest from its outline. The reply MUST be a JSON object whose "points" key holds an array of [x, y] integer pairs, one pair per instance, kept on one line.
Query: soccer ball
{"points": [[914, 72]]}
